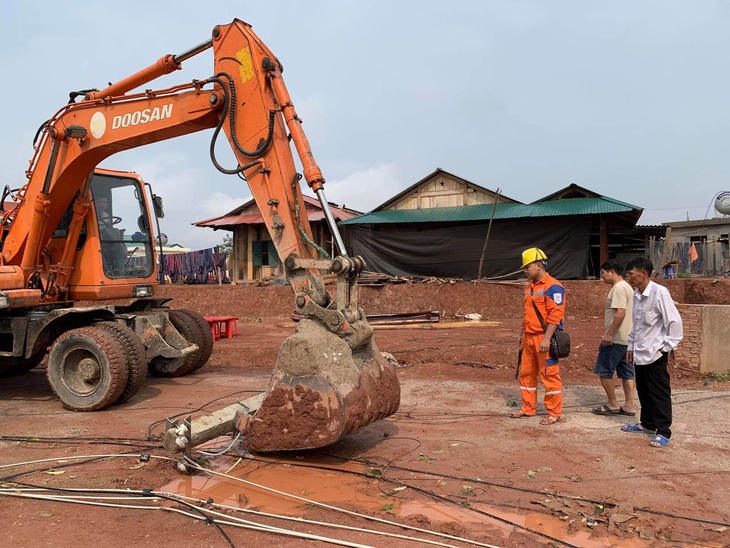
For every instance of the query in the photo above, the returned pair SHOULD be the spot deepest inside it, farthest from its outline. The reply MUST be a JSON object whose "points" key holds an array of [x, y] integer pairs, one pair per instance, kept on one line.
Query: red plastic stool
{"points": [[231, 327], [215, 326]]}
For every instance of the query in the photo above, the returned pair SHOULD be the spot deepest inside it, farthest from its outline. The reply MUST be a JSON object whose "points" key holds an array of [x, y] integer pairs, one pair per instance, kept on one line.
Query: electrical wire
{"points": [[90, 458], [389, 464], [219, 453], [326, 524], [302, 232], [174, 497], [74, 498], [435, 496], [190, 411], [522, 489], [330, 507], [203, 515], [81, 459], [138, 443], [237, 522], [708, 210]]}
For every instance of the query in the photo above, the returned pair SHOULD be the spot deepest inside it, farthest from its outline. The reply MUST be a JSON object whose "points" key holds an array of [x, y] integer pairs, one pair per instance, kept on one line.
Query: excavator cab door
{"points": [[126, 247]]}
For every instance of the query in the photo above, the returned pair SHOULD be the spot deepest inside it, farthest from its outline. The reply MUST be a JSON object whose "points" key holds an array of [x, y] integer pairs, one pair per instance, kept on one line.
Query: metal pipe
{"points": [[192, 52], [331, 222]]}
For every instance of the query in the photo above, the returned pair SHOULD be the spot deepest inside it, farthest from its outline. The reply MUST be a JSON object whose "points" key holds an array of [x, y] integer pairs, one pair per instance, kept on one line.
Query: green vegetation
{"points": [[227, 245], [716, 377]]}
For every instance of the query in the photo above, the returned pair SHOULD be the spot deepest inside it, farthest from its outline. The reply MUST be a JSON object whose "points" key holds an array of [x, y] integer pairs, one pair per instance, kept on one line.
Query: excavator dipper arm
{"points": [[330, 379]]}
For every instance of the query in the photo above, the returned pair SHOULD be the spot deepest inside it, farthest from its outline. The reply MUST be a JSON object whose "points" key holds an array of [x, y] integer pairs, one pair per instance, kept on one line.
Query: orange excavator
{"points": [[67, 240]]}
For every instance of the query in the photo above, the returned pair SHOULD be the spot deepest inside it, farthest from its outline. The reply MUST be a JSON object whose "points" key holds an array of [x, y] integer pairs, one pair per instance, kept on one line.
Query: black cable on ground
{"points": [[54, 467], [388, 464], [422, 491], [526, 490], [124, 442]]}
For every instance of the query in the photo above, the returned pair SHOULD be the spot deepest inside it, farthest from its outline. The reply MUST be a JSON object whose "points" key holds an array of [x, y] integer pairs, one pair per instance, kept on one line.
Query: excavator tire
{"points": [[87, 369], [9, 367], [177, 367], [204, 338], [136, 357]]}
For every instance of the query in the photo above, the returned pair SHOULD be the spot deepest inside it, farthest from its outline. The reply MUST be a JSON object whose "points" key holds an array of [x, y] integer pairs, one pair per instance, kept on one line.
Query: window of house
{"points": [[264, 253]]}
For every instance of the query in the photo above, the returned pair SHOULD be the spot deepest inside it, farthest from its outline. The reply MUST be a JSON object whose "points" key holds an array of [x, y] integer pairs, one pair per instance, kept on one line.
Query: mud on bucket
{"points": [[323, 388]]}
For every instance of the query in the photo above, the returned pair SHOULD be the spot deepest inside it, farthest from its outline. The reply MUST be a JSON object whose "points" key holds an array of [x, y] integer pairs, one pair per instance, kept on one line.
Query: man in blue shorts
{"points": [[612, 351]]}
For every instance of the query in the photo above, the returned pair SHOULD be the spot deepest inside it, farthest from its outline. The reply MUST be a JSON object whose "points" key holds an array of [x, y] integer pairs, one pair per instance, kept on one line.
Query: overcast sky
{"points": [[627, 98]]}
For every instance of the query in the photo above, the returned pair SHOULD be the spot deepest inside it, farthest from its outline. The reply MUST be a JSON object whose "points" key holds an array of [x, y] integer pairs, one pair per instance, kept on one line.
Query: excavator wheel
{"points": [[136, 356], [204, 337], [87, 369], [9, 367], [177, 367]]}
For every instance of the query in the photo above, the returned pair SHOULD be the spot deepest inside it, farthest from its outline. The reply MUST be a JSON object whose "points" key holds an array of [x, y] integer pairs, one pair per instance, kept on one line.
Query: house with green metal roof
{"points": [[482, 233]]}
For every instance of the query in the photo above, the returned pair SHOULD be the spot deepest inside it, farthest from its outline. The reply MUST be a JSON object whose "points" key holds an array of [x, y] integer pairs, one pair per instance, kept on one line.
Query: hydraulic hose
{"points": [[229, 109]]}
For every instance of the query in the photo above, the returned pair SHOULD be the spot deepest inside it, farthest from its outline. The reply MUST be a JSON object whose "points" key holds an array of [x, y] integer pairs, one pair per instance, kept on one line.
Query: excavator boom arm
{"points": [[247, 99]]}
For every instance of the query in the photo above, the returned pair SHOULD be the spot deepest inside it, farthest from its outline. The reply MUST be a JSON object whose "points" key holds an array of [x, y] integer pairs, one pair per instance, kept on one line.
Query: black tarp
{"points": [[453, 251]]}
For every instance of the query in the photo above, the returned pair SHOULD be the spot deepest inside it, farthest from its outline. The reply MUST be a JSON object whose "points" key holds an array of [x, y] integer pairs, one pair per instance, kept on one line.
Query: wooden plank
{"points": [[442, 325]]}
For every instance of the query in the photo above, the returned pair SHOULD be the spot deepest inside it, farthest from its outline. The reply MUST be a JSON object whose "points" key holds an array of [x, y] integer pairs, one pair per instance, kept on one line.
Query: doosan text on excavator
{"points": [[64, 240]]}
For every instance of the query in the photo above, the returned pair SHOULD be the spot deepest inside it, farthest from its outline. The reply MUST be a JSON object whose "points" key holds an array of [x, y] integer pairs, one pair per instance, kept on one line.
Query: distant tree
{"points": [[227, 245]]}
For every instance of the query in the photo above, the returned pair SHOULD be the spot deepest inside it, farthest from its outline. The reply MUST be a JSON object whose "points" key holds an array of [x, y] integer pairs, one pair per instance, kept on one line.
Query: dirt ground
{"points": [[450, 461]]}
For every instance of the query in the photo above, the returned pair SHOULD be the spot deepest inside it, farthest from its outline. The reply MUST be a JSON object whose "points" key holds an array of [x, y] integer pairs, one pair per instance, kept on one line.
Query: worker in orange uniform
{"points": [[544, 311]]}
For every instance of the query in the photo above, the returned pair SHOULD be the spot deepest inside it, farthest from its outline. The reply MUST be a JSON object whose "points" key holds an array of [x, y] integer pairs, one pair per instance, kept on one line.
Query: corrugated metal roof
{"points": [[230, 220], [483, 212], [314, 213]]}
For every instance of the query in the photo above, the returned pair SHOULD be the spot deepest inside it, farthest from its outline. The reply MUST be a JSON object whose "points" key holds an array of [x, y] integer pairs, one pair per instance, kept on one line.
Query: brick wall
{"points": [[689, 350]]}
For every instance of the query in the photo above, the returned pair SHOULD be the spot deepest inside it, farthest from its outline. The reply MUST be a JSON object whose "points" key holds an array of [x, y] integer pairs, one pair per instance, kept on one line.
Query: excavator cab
{"points": [[115, 243], [122, 221]]}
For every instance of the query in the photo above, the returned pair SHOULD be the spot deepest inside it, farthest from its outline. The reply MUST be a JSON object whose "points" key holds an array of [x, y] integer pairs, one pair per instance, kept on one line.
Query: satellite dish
{"points": [[722, 203]]}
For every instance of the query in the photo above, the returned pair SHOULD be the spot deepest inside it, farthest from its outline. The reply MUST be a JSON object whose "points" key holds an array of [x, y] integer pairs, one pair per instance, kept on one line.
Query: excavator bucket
{"points": [[330, 379], [324, 387]]}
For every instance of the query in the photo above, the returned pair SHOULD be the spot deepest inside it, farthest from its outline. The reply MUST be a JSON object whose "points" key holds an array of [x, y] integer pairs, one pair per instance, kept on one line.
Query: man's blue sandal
{"points": [[636, 428], [659, 441]]}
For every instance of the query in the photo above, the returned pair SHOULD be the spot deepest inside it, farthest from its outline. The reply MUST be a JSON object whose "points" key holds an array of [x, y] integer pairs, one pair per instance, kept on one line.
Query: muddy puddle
{"points": [[332, 488], [335, 488]]}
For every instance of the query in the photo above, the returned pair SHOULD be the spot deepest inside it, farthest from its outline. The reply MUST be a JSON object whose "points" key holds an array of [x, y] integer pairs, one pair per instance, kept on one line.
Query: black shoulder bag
{"points": [[559, 342]]}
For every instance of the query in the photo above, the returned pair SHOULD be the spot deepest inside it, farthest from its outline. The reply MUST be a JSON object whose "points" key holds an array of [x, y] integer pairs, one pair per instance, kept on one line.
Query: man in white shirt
{"points": [[612, 350], [656, 331]]}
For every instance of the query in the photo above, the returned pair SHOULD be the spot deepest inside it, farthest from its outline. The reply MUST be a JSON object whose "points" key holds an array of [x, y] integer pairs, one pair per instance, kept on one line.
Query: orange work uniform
{"points": [[549, 296]]}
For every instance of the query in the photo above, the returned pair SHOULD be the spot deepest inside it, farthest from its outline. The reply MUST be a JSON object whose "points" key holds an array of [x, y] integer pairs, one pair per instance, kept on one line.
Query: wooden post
{"points": [[489, 229], [249, 253], [652, 246], [604, 241], [665, 248]]}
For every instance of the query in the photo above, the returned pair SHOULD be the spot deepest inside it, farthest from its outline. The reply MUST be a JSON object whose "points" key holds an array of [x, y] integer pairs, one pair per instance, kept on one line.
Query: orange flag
{"points": [[693, 256]]}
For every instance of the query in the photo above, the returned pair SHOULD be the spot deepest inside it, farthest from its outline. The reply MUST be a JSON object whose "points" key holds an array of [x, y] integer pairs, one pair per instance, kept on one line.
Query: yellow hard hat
{"points": [[531, 255]]}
